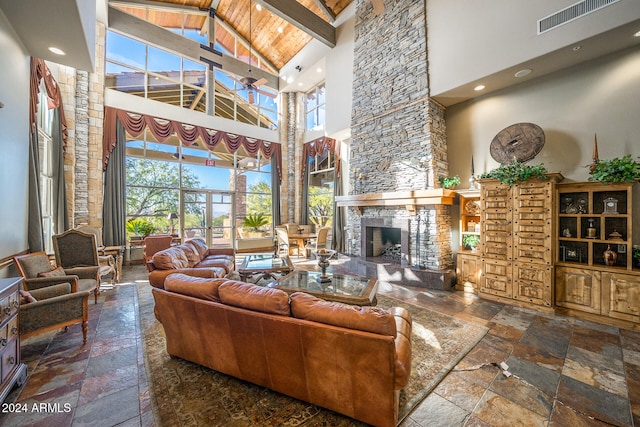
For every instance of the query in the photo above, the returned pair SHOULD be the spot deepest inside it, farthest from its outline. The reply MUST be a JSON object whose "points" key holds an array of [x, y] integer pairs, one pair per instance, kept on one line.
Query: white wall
{"points": [[601, 97], [339, 79], [470, 39], [14, 141]]}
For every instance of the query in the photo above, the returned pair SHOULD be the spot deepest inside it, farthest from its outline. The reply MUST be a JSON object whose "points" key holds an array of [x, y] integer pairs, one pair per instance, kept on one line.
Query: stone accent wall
{"points": [[398, 132], [83, 98]]}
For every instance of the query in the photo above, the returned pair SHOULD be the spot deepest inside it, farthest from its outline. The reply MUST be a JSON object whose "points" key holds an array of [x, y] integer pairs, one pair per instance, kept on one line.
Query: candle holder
{"points": [[323, 262]]}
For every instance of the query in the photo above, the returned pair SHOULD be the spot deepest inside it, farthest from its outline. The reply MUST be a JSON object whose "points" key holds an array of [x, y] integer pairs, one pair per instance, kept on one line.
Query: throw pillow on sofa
{"points": [[368, 319], [197, 287], [170, 259], [192, 254], [199, 245]]}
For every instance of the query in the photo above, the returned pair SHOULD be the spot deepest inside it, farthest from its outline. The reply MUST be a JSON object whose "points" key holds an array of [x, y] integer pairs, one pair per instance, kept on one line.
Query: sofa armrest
{"points": [[221, 251], [43, 282], [150, 266], [403, 346]]}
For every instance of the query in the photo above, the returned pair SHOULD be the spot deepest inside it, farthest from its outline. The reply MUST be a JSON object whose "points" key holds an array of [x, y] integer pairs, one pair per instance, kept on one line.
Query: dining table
{"points": [[301, 239]]}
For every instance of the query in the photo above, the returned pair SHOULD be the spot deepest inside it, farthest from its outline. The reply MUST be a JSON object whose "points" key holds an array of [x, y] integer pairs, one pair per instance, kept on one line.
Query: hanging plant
{"points": [[624, 169], [510, 173]]}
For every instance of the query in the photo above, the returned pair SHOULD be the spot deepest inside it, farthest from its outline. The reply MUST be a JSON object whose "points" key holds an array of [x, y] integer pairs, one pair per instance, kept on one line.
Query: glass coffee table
{"points": [[265, 266], [355, 290]]}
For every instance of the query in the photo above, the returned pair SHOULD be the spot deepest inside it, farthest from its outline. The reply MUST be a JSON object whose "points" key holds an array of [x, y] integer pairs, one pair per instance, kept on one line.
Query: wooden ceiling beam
{"points": [[302, 18], [322, 4], [170, 7]]}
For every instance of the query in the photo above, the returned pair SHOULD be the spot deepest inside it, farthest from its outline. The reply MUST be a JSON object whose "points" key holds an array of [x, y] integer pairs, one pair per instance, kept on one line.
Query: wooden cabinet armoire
{"points": [[517, 241]]}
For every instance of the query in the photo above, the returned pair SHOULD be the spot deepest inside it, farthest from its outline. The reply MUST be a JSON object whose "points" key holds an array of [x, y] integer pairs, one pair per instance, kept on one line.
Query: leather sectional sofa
{"points": [[193, 258], [349, 359]]}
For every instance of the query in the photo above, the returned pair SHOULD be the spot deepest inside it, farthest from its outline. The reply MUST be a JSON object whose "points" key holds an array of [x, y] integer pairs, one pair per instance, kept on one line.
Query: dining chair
{"points": [[318, 243], [283, 241]]}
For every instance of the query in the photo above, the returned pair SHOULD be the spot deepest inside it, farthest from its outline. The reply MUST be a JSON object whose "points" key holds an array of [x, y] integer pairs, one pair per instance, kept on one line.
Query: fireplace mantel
{"points": [[409, 199]]}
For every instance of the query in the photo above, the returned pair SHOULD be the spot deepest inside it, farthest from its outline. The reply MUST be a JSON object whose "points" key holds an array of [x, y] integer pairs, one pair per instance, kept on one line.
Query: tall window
{"points": [[158, 172], [151, 72], [45, 146], [315, 113], [320, 190]]}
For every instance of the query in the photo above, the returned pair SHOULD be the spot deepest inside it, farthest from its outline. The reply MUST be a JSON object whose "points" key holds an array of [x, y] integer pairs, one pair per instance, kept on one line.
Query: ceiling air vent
{"points": [[570, 13]]}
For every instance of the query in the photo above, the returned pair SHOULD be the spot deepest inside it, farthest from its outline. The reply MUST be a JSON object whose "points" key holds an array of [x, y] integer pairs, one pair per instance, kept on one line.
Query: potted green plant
{"points": [[511, 173], [449, 182], [253, 224], [470, 241], [140, 227], [624, 169], [636, 255]]}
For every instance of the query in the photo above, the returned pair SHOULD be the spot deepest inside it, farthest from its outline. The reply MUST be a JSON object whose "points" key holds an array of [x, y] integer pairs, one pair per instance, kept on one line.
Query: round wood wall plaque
{"points": [[522, 141]]}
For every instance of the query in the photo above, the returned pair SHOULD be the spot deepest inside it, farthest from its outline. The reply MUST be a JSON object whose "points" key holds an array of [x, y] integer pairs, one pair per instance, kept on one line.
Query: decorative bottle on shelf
{"points": [[591, 231], [610, 256]]}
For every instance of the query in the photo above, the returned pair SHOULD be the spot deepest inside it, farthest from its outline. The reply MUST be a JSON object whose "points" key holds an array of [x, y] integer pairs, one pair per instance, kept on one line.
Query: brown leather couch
{"points": [[349, 359], [193, 258]]}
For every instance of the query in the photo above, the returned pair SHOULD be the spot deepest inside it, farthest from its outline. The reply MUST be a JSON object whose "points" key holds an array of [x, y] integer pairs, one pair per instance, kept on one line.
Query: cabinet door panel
{"points": [[496, 278], [621, 296], [532, 283], [578, 289], [468, 269]]}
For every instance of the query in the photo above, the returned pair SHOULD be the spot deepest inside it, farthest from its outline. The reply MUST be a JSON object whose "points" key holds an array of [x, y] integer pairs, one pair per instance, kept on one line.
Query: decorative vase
{"points": [[610, 256]]}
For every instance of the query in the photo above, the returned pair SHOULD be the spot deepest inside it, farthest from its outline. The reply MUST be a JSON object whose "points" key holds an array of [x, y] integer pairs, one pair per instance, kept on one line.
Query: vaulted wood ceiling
{"points": [[276, 47]]}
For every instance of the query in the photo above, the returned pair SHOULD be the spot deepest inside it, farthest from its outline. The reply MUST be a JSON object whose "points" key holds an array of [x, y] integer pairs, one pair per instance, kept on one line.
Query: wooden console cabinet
{"points": [[12, 372], [595, 218]]}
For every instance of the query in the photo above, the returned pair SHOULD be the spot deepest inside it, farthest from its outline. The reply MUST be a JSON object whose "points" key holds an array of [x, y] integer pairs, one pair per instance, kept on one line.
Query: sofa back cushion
{"points": [[171, 258], [199, 245], [369, 319], [192, 254], [197, 287], [254, 297]]}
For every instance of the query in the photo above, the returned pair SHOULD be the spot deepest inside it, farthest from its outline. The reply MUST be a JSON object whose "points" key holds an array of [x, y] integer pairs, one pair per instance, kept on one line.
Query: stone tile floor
{"points": [[563, 371]]}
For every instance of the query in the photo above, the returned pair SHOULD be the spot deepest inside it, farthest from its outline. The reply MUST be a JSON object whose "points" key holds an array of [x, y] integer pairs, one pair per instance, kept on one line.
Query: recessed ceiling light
{"points": [[478, 88], [299, 83], [258, 7], [280, 30], [319, 70], [577, 48], [56, 50], [637, 34], [289, 79], [523, 72]]}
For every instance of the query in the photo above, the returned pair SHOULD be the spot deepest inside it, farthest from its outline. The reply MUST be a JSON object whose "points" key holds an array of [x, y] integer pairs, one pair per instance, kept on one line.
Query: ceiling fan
{"points": [[249, 83]]}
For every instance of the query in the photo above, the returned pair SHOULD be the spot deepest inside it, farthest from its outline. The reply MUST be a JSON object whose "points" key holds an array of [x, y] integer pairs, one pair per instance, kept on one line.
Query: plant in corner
{"points": [[254, 222], [510, 173], [470, 241], [624, 169], [449, 182], [140, 227]]}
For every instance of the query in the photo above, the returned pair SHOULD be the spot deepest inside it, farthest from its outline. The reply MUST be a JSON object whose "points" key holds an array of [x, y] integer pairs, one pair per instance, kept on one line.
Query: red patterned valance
{"points": [[162, 129], [317, 147], [39, 71]]}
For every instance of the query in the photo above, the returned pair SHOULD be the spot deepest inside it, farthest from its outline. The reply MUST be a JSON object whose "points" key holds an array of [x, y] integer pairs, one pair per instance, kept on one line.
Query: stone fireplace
{"points": [[397, 151]]}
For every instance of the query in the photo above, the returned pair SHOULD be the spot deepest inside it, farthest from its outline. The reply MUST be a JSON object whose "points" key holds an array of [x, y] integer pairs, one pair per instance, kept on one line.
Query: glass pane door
{"points": [[207, 215]]}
